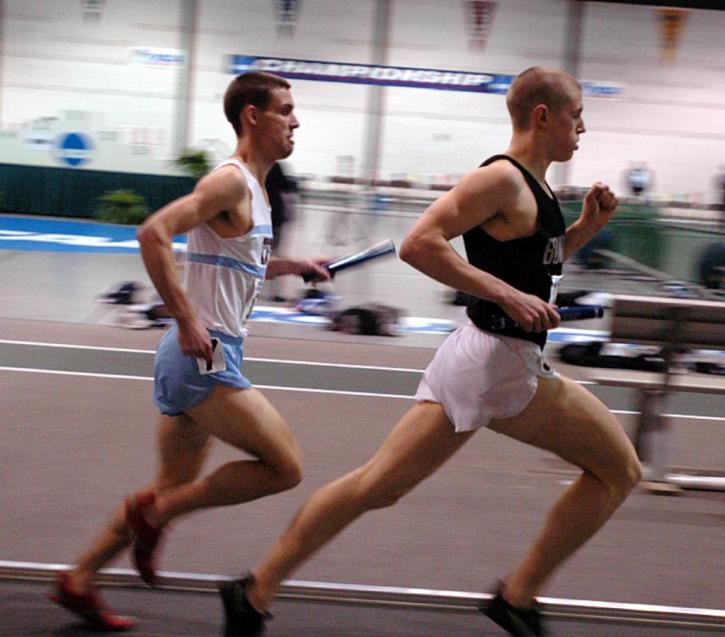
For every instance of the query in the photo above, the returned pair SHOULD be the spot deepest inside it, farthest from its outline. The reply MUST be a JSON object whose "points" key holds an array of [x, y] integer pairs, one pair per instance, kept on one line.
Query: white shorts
{"points": [[477, 376]]}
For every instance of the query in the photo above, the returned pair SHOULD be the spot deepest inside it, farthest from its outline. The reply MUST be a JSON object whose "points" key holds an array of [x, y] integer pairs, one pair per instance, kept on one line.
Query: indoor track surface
{"points": [[78, 434]]}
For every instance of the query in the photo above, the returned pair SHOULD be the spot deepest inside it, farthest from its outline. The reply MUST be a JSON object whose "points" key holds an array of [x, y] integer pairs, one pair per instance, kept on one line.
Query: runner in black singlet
{"points": [[516, 243], [531, 264]]}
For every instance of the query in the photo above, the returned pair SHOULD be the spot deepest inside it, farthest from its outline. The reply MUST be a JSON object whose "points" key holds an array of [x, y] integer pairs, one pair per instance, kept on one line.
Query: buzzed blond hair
{"points": [[538, 85]]}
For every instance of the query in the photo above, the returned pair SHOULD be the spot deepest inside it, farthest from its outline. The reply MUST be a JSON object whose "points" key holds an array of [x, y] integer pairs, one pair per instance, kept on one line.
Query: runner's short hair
{"points": [[538, 85], [254, 88]]}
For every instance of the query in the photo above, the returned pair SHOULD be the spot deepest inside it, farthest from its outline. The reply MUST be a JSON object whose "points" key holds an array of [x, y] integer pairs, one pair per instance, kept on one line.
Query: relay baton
{"points": [[375, 251], [566, 313]]}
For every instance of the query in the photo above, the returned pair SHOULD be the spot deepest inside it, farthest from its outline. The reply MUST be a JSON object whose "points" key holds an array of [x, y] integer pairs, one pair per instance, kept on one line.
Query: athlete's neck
{"points": [[530, 158], [256, 164]]}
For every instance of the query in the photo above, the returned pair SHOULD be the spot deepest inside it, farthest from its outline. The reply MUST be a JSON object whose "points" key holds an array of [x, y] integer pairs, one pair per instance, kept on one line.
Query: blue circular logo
{"points": [[74, 149]]}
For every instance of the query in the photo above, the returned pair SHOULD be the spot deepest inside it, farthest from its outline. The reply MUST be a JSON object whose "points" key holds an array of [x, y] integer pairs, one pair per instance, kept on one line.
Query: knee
{"points": [[380, 499], [633, 472], [377, 493], [289, 473], [626, 475]]}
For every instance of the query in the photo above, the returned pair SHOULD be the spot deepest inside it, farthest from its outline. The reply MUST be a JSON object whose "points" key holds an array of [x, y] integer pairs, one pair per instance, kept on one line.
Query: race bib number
{"points": [[218, 363]]}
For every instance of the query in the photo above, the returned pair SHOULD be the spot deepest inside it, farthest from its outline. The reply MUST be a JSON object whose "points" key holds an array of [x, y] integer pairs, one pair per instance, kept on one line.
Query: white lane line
{"points": [[626, 412], [69, 346], [311, 390], [246, 358], [335, 391], [344, 365], [60, 372], [284, 361]]}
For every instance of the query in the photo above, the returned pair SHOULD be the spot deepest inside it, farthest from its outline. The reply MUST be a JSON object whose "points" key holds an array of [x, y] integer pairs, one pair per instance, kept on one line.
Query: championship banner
{"points": [[286, 13], [372, 74], [672, 23], [406, 77], [479, 21]]}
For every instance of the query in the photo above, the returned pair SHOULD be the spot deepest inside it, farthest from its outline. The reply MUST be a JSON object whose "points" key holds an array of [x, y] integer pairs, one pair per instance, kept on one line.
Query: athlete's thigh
{"points": [[245, 419], [183, 447], [568, 420], [419, 444]]}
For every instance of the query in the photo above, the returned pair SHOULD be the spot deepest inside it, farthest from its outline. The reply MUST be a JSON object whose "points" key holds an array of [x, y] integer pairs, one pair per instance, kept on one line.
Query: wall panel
{"points": [[671, 114]]}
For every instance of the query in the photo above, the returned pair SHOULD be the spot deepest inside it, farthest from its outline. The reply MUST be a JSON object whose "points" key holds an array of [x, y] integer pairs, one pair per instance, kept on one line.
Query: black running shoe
{"points": [[242, 619], [520, 622]]}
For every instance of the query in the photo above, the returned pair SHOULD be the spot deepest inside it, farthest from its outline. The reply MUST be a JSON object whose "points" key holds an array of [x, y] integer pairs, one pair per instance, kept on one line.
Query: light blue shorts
{"points": [[178, 384]]}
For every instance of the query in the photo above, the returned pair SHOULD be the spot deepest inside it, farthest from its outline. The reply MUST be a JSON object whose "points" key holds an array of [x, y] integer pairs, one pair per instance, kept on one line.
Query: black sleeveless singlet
{"points": [[526, 264]]}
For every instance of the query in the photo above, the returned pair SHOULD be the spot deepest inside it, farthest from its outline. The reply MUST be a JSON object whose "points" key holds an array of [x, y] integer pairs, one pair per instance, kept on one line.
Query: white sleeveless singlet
{"points": [[223, 277]]}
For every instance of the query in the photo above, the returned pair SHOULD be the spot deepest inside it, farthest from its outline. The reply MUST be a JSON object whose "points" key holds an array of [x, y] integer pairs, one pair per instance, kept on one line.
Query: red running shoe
{"points": [[145, 537], [89, 606]]}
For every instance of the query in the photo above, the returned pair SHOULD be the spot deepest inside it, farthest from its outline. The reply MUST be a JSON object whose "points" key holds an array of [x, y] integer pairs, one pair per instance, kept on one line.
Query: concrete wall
{"points": [[671, 113], [61, 73]]}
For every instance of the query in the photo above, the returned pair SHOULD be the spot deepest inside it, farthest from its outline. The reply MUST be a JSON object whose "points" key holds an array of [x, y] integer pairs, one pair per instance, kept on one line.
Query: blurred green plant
{"points": [[194, 163], [122, 206]]}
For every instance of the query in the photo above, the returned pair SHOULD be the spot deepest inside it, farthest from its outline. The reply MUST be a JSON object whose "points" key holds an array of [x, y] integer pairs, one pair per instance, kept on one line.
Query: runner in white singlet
{"points": [[199, 386]]}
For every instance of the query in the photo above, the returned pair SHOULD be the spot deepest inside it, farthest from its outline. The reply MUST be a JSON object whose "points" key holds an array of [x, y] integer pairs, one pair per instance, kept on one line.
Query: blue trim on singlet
{"points": [[227, 262], [260, 230]]}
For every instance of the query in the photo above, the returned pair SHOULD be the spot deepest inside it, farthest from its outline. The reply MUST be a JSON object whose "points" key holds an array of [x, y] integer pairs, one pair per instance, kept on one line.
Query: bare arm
{"points": [[222, 190], [279, 266], [479, 196], [597, 209]]}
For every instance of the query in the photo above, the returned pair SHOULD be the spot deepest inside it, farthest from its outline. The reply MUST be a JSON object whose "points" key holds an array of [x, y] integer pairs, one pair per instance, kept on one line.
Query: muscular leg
{"points": [[183, 447], [566, 419], [420, 443], [245, 420]]}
